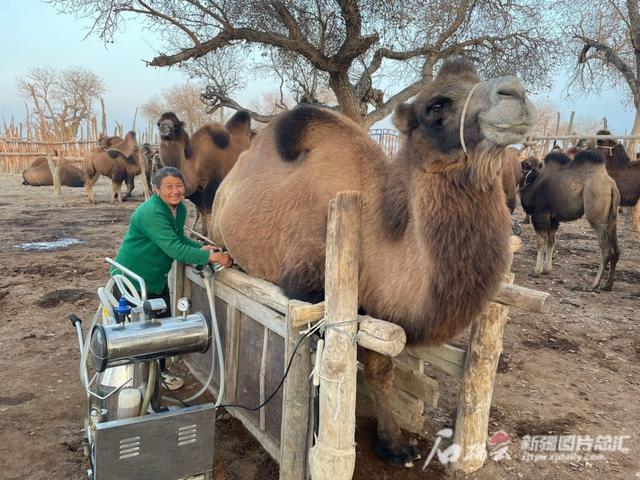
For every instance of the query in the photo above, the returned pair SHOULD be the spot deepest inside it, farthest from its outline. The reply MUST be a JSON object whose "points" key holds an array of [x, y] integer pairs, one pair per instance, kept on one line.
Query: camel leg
{"points": [[550, 243], [541, 241], [88, 186], [115, 191], [391, 445], [612, 236], [130, 187]]}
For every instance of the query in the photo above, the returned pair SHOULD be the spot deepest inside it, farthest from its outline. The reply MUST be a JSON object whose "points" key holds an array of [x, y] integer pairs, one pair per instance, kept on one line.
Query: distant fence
{"points": [[388, 138], [16, 154]]}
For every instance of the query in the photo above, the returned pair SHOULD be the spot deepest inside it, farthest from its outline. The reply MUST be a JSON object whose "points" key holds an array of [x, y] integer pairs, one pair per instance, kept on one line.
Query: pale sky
{"points": [[33, 34]]}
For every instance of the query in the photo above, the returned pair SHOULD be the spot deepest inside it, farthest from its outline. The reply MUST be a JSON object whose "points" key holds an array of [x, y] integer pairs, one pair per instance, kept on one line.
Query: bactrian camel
{"points": [[206, 157], [566, 190], [435, 225]]}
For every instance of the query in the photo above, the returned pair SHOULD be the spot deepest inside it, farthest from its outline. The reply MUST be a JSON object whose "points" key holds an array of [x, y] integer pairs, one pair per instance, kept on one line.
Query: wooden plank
{"points": [[380, 336], [234, 317], [267, 442], [303, 313], [258, 312], [446, 357], [295, 407], [523, 298], [333, 456], [263, 376], [260, 290]]}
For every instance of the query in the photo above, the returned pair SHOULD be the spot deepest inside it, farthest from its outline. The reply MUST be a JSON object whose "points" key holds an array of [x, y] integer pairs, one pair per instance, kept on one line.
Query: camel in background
{"points": [[206, 157], [120, 162], [566, 190], [39, 173], [435, 226]]}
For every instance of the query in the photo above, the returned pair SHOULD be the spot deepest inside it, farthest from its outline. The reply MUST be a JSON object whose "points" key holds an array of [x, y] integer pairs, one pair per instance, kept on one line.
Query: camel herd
{"points": [[436, 218], [592, 180]]}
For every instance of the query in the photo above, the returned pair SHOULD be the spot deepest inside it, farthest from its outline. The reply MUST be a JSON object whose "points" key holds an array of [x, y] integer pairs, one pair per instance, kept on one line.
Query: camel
{"points": [[206, 157], [39, 174], [565, 191], [106, 141], [510, 173], [625, 172], [120, 163], [152, 161], [528, 164], [435, 225]]}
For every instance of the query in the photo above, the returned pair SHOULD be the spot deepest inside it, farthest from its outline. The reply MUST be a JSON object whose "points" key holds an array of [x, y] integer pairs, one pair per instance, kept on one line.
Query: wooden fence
{"points": [[260, 328]]}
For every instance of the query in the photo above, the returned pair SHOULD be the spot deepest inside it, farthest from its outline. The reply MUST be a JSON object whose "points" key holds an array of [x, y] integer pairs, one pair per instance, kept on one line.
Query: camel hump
{"points": [[294, 126], [588, 156], [218, 135], [239, 123], [558, 158]]}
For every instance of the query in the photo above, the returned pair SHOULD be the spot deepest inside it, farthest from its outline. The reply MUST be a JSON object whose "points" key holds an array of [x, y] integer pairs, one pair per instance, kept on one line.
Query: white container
{"points": [[129, 400]]}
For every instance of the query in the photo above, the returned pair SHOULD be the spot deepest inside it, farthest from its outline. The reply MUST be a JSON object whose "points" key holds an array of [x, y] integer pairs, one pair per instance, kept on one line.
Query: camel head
{"points": [[497, 113], [170, 126], [530, 163]]}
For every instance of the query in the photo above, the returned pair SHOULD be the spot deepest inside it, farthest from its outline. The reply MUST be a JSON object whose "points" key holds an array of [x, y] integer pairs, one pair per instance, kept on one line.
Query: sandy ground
{"points": [[572, 372]]}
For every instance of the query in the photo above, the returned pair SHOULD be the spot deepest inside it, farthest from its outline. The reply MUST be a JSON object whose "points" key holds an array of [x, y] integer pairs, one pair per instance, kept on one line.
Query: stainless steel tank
{"points": [[122, 344]]}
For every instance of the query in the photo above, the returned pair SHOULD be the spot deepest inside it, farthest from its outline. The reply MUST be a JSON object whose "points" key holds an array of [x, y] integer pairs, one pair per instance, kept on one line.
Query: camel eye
{"points": [[436, 107]]}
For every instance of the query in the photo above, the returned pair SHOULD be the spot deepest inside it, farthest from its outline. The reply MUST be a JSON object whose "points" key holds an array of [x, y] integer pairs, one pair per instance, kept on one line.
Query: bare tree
{"points": [[184, 100], [61, 100], [373, 54], [606, 45]]}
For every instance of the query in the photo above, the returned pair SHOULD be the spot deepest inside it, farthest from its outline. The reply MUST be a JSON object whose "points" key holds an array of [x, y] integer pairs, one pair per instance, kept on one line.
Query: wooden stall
{"points": [[260, 328]]}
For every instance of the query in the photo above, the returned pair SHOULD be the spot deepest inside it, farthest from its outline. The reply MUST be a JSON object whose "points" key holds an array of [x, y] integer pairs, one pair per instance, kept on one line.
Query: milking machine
{"points": [[128, 432]]}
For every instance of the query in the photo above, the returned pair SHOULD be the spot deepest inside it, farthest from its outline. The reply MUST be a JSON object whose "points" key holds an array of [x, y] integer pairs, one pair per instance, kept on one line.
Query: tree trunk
{"points": [[346, 96], [633, 213]]}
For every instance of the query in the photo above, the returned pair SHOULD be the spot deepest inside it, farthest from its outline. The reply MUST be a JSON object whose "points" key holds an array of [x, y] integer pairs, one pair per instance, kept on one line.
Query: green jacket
{"points": [[154, 240]]}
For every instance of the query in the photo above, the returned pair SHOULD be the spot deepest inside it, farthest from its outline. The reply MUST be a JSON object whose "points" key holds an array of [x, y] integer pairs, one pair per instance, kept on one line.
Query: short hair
{"points": [[163, 172]]}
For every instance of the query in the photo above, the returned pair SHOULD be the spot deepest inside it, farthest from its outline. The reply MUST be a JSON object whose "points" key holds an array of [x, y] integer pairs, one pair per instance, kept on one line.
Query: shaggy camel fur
{"points": [[510, 173], [120, 163], [564, 191], [206, 157], [39, 174], [106, 141], [152, 161], [435, 226], [625, 172]]}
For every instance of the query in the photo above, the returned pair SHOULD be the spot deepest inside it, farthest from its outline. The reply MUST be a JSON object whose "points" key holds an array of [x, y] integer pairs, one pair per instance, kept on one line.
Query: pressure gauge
{"points": [[183, 304]]}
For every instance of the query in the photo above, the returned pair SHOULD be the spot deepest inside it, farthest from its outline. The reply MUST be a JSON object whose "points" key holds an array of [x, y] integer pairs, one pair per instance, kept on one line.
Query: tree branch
{"points": [[611, 57], [215, 100], [388, 107]]}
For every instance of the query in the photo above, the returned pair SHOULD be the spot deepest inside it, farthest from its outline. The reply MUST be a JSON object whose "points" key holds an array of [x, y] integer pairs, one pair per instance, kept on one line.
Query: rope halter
{"points": [[462, 118]]}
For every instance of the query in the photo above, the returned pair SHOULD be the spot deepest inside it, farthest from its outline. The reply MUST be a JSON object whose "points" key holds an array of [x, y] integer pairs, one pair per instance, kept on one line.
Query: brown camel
{"points": [[152, 162], [625, 172], [565, 191], [510, 173], [39, 174], [435, 226], [106, 141], [206, 157], [120, 163], [528, 164]]}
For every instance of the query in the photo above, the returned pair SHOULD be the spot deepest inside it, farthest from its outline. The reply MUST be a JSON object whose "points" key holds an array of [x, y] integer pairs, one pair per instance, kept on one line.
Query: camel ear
{"points": [[404, 118]]}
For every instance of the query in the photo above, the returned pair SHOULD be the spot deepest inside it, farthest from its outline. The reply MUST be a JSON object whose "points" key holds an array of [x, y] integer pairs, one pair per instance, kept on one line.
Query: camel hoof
{"points": [[607, 288], [398, 452]]}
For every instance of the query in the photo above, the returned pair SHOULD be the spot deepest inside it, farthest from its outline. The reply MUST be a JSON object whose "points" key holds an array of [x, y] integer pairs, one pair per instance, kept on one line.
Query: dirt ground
{"points": [[574, 371]]}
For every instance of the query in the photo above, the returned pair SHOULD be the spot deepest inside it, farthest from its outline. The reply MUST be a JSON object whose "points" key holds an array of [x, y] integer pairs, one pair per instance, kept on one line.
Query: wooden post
{"points": [[295, 405], [565, 144], [54, 165], [333, 456], [476, 389]]}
